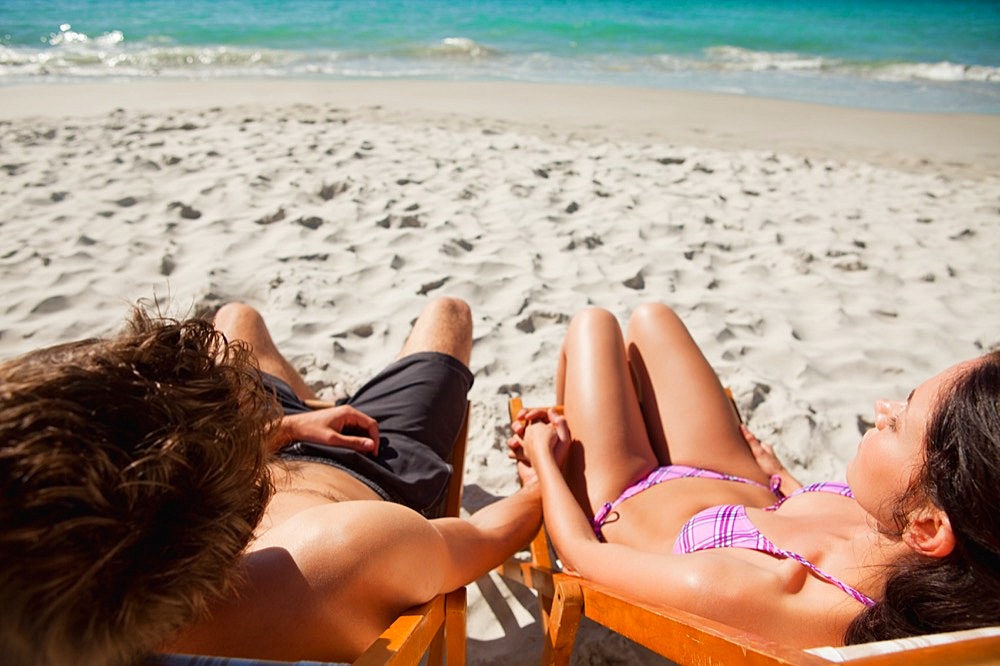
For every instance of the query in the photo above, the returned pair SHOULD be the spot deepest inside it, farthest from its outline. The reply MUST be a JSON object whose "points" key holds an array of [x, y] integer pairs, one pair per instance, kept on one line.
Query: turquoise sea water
{"points": [[892, 54]]}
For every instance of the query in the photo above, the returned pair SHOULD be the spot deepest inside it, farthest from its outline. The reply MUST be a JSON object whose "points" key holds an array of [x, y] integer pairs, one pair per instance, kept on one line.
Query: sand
{"points": [[823, 257]]}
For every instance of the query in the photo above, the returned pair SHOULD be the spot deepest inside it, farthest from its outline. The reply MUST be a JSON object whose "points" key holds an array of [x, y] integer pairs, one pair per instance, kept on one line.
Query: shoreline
{"points": [[966, 145]]}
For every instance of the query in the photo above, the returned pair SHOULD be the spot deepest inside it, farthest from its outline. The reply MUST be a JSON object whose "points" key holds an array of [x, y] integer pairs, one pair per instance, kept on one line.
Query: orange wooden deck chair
{"points": [[435, 629], [692, 640]]}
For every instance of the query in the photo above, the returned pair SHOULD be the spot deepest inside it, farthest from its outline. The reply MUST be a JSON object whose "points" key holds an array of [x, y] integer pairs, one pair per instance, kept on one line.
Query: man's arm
{"points": [[325, 583], [489, 537]]}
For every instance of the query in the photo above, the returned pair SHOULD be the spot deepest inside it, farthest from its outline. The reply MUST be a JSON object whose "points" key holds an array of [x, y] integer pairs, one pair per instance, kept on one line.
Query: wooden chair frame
{"points": [[437, 627], [681, 636]]}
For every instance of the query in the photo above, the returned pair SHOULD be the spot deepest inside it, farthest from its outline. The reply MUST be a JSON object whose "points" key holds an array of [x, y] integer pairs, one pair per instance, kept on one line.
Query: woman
{"points": [[678, 510]]}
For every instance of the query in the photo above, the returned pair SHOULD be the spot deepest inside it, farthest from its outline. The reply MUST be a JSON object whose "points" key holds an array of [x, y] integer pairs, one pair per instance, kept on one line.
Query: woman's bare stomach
{"points": [[301, 485], [651, 520]]}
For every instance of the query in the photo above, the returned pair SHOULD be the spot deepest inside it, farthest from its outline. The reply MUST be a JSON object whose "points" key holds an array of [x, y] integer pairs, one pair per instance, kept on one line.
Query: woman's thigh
{"points": [[594, 385], [688, 416]]}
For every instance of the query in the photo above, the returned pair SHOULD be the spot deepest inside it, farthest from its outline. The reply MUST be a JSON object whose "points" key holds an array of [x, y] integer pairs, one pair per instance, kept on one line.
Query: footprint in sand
{"points": [[531, 323], [51, 304]]}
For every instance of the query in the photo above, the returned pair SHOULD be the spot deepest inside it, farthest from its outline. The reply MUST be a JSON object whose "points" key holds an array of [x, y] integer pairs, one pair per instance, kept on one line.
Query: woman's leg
{"points": [[238, 321], [688, 416], [593, 384]]}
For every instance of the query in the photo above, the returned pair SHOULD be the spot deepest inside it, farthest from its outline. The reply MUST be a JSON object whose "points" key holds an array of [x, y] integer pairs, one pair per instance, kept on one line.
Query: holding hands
{"points": [[540, 436]]}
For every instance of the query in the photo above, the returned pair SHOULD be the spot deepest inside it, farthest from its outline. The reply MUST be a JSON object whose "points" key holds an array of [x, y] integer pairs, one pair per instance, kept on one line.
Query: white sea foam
{"points": [[462, 46], [938, 71], [68, 54], [733, 57], [67, 35], [72, 53]]}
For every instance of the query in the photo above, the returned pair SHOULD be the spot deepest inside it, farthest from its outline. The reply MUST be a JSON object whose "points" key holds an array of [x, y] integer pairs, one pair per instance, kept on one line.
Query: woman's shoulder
{"points": [[829, 493]]}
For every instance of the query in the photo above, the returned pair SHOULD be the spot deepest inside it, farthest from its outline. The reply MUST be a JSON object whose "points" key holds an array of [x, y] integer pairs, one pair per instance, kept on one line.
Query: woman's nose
{"points": [[884, 410]]}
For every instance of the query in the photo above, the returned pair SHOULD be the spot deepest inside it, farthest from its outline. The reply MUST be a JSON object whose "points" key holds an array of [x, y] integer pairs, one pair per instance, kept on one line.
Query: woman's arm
{"points": [[544, 445], [777, 599]]}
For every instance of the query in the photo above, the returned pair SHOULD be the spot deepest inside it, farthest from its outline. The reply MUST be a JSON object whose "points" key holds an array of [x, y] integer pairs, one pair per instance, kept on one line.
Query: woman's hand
{"points": [[768, 461], [537, 433], [326, 426]]}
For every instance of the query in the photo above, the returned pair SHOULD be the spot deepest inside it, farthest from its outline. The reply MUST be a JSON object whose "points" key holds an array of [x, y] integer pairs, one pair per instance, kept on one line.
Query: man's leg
{"points": [[238, 321], [445, 326], [419, 401]]}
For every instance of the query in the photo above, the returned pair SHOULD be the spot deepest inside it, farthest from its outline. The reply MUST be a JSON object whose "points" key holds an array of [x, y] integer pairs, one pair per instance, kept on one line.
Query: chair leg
{"points": [[455, 605], [540, 557], [564, 621], [448, 644], [436, 648], [545, 609]]}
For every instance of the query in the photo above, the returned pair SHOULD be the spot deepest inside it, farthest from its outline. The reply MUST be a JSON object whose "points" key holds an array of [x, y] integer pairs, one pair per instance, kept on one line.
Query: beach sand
{"points": [[823, 257]]}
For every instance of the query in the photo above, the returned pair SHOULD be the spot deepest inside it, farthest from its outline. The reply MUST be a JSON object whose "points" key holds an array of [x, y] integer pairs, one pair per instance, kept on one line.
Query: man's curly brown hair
{"points": [[133, 473]]}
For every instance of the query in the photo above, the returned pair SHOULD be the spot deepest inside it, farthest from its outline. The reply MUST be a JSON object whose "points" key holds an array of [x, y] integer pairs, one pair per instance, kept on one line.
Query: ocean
{"points": [[905, 55]]}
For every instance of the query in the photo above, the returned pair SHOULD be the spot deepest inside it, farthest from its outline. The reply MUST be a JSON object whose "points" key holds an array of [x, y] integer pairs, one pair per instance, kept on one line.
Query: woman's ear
{"points": [[929, 532]]}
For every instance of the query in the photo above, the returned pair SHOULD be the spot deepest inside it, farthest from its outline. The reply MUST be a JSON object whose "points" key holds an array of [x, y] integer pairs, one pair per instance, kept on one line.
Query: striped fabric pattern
{"points": [[728, 526]]}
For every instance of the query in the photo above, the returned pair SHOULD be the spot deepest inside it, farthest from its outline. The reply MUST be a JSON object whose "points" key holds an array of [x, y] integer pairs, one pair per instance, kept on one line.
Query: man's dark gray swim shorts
{"points": [[419, 402]]}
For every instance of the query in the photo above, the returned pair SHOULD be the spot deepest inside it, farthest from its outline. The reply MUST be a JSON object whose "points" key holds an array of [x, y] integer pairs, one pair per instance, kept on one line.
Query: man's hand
{"points": [[538, 432], [326, 426]]}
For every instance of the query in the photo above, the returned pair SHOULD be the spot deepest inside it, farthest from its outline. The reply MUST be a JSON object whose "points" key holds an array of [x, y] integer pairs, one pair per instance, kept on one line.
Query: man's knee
{"points": [[232, 313], [452, 307], [237, 310], [452, 314], [444, 325]]}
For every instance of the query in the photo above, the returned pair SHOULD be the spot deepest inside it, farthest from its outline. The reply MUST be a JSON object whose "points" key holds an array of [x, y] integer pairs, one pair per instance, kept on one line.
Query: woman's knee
{"points": [[652, 319], [591, 325], [593, 317]]}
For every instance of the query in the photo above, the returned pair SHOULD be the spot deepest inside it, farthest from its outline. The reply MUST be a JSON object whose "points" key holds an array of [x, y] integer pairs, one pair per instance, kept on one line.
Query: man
{"points": [[347, 541]]}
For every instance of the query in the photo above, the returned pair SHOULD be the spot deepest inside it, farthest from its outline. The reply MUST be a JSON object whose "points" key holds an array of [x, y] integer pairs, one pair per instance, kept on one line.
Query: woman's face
{"points": [[891, 454]]}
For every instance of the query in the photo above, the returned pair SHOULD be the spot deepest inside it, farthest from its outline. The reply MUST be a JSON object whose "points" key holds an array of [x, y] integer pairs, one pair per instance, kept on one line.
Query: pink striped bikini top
{"points": [[728, 526]]}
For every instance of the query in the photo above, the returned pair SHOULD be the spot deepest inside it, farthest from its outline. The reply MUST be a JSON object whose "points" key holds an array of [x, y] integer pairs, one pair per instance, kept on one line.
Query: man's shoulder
{"points": [[336, 545], [338, 526]]}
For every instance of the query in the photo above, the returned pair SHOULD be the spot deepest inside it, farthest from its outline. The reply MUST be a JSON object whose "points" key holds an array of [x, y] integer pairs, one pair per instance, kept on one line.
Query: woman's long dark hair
{"points": [[962, 477]]}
